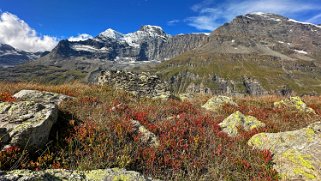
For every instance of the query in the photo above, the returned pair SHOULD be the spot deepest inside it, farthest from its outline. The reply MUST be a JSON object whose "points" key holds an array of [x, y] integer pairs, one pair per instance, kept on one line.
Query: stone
{"points": [[26, 124], [41, 96], [231, 124], [297, 154], [217, 102], [61, 174], [295, 103], [140, 84], [147, 136]]}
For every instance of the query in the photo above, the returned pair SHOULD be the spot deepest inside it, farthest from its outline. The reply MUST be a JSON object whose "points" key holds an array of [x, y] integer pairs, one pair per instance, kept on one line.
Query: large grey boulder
{"points": [[297, 154], [26, 124], [114, 174], [40, 96]]}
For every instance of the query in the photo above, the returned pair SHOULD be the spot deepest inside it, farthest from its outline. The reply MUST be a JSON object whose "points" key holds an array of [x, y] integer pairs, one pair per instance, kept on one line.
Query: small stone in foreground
{"points": [[217, 102]]}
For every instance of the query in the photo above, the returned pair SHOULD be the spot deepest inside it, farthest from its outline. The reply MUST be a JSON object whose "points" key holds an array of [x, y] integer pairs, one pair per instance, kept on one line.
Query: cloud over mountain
{"points": [[211, 14], [19, 34]]}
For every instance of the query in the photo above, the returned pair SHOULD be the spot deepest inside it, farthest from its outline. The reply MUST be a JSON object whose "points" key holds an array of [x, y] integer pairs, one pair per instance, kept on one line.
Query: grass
{"points": [[94, 132], [266, 69]]}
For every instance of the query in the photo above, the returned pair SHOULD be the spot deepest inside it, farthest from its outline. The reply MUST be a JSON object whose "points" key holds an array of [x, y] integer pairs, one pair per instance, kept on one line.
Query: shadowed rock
{"points": [[297, 154]]}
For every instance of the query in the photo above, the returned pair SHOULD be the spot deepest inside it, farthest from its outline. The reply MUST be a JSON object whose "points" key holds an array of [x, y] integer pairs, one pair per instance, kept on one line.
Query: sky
{"points": [[38, 25]]}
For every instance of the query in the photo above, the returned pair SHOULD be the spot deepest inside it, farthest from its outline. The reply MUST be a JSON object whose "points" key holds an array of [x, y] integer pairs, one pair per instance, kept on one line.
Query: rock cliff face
{"points": [[140, 84], [146, 44]]}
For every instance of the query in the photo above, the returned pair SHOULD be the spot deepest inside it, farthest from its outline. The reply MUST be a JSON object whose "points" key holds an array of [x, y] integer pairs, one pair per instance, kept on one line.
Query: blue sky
{"points": [[61, 19]]}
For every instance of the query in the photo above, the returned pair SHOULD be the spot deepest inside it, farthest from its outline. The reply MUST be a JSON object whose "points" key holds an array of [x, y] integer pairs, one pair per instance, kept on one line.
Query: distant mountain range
{"points": [[10, 56], [147, 44], [254, 54]]}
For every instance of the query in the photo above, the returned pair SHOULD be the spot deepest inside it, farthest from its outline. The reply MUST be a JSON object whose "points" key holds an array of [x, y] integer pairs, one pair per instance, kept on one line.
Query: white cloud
{"points": [[173, 22], [315, 19], [19, 34], [80, 37], [211, 15]]}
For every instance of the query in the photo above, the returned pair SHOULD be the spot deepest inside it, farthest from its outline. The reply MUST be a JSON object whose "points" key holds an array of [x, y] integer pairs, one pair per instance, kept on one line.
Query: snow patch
{"points": [[305, 23], [88, 48], [281, 42], [301, 51]]}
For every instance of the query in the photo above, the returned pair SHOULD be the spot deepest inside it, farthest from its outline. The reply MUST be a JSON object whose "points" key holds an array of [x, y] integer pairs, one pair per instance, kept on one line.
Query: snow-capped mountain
{"points": [[148, 43], [10, 56]]}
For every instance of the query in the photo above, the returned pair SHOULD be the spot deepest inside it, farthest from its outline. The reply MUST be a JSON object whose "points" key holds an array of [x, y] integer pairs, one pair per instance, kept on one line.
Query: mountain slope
{"points": [[255, 54], [10, 56]]}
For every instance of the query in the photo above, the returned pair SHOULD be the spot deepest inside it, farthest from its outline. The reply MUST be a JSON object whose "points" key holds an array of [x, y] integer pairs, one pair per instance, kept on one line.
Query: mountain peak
{"points": [[152, 29], [110, 33]]}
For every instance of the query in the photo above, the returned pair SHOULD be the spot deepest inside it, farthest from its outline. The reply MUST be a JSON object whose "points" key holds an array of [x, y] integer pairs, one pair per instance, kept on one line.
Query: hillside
{"points": [[256, 54]]}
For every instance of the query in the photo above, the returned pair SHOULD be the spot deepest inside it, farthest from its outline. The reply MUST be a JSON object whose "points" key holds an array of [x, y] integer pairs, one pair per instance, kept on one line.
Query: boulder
{"points": [[217, 102], [297, 154], [231, 124], [147, 136], [61, 174], [26, 124], [40, 96], [294, 103]]}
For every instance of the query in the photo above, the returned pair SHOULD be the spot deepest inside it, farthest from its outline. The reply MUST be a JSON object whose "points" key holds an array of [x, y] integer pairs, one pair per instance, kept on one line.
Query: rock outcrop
{"points": [[60, 174], [40, 96], [294, 103], [140, 84], [297, 154], [146, 136], [217, 102], [231, 124], [26, 124]]}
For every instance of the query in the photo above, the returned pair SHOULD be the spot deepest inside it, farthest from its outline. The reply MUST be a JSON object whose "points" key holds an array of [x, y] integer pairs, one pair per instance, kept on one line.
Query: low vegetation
{"points": [[95, 132]]}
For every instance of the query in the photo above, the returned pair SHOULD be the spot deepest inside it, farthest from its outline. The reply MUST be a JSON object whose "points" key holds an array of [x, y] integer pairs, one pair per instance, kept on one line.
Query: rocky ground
{"points": [[97, 132]]}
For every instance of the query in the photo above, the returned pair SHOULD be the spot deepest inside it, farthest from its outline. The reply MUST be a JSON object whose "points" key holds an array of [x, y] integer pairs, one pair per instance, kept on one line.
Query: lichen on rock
{"points": [[294, 103], [296, 153], [217, 102], [231, 124], [113, 174]]}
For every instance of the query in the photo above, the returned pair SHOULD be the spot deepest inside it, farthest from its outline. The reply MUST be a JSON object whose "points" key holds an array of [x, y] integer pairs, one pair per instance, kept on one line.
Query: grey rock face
{"points": [[140, 84], [60, 174], [26, 124], [253, 87]]}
